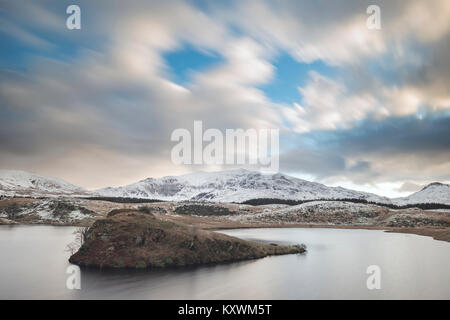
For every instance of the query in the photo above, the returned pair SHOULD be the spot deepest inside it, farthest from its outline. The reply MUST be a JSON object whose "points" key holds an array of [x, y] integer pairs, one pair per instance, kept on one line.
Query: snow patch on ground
{"points": [[45, 210]]}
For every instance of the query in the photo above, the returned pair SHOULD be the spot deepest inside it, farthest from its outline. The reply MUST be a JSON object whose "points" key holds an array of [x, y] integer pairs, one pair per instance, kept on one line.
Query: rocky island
{"points": [[135, 239]]}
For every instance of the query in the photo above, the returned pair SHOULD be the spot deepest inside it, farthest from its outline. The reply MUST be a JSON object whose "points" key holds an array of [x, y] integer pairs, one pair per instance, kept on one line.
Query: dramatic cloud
{"points": [[395, 150], [97, 106]]}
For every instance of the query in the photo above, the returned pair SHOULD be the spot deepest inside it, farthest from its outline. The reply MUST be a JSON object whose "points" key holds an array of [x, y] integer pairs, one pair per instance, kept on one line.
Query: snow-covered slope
{"points": [[224, 186], [14, 182], [234, 186], [433, 193]]}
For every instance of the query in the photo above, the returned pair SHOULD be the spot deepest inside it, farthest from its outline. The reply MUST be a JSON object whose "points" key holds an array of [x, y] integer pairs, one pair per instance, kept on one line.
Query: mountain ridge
{"points": [[234, 186], [13, 182], [435, 192], [223, 186]]}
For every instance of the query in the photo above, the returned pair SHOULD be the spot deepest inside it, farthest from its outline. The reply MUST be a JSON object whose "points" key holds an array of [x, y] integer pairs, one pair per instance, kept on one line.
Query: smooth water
{"points": [[33, 263]]}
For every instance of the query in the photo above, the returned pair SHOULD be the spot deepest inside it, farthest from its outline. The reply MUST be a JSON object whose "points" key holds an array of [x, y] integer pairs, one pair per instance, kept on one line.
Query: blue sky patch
{"points": [[291, 74], [182, 63]]}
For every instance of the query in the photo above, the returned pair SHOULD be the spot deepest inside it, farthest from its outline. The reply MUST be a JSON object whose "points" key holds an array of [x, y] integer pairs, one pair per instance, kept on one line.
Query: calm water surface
{"points": [[33, 264]]}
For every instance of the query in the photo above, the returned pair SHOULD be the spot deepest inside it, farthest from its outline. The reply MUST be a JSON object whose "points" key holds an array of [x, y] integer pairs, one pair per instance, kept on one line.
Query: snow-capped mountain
{"points": [[234, 186], [224, 186], [14, 182], [433, 193]]}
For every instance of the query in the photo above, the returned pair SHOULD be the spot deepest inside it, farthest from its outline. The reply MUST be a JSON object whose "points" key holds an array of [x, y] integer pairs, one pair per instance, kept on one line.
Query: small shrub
{"points": [[145, 209], [141, 265], [202, 210], [117, 211], [61, 209], [12, 211]]}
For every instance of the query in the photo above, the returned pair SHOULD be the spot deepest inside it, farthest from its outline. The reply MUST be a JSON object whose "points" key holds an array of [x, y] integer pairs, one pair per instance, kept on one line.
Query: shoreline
{"points": [[219, 216], [436, 234], [439, 234]]}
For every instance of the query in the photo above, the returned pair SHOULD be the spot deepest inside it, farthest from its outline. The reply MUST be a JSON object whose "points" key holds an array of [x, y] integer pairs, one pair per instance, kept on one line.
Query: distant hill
{"points": [[21, 183], [435, 192]]}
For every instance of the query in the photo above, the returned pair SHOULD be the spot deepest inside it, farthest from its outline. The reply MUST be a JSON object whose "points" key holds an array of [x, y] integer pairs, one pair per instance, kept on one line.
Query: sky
{"points": [[356, 107]]}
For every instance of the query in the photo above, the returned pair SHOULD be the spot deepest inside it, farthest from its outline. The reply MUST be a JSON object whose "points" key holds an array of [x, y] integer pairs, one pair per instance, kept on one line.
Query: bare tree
{"points": [[80, 237]]}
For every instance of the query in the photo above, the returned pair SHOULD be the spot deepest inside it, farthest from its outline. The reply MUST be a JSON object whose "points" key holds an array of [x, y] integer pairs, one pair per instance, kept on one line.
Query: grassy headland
{"points": [[133, 239]]}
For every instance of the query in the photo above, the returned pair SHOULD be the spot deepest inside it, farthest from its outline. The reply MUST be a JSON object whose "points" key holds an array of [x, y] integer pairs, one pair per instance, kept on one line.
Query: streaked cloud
{"points": [[106, 93]]}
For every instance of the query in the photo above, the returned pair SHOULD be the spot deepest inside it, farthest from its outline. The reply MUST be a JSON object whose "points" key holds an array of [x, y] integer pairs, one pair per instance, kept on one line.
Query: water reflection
{"points": [[34, 262]]}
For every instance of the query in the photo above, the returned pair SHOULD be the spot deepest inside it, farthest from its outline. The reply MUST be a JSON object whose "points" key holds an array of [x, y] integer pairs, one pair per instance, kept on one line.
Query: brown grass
{"points": [[133, 239]]}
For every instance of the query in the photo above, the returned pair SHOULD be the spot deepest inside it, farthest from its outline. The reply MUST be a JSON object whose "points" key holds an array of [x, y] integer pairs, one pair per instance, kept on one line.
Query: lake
{"points": [[33, 264]]}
